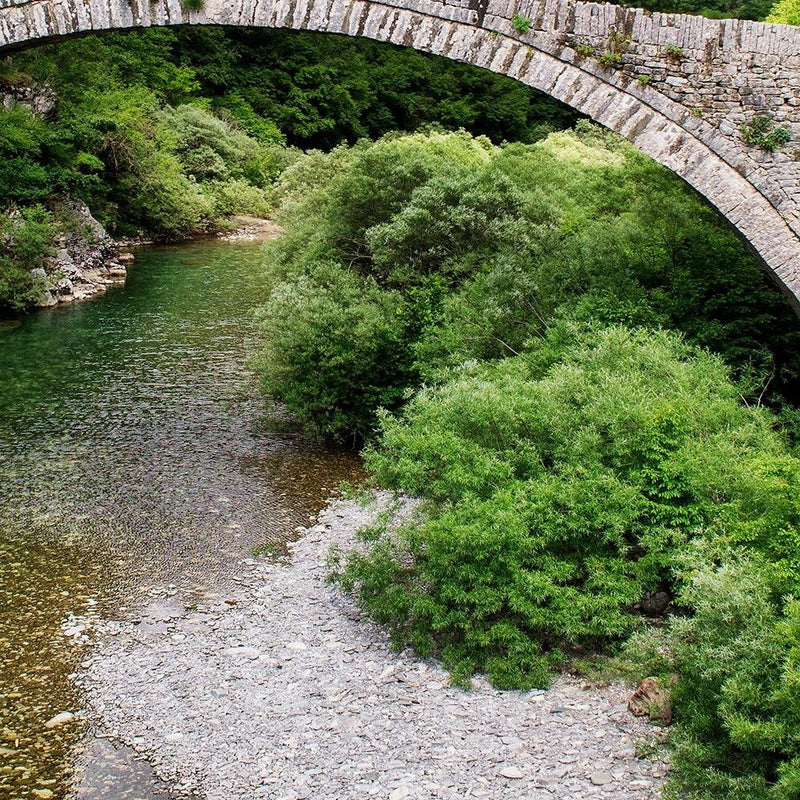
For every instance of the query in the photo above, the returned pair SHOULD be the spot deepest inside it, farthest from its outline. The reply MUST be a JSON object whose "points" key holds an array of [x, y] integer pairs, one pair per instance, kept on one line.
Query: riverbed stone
{"points": [[343, 715], [511, 772], [59, 719]]}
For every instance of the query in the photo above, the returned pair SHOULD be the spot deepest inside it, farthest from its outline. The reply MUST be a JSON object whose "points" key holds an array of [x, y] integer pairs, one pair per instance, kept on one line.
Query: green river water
{"points": [[135, 457]]}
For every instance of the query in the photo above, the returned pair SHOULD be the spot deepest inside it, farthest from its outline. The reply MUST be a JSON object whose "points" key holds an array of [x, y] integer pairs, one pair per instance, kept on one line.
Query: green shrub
{"points": [[23, 141], [491, 245], [786, 12], [736, 701], [26, 239], [237, 196], [564, 483], [334, 351]]}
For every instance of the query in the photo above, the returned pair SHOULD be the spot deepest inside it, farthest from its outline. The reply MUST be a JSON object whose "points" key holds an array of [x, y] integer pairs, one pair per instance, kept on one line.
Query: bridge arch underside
{"points": [[655, 124]]}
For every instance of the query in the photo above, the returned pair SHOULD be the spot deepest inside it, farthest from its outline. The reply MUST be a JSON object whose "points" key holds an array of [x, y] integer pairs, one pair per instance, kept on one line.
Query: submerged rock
{"points": [[60, 719]]}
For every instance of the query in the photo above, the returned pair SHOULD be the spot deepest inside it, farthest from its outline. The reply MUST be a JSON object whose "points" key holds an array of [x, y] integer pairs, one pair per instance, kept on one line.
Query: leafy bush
{"points": [[23, 142], [321, 90], [334, 351], [786, 12], [616, 240], [564, 483], [25, 242], [736, 700], [491, 245], [237, 196]]}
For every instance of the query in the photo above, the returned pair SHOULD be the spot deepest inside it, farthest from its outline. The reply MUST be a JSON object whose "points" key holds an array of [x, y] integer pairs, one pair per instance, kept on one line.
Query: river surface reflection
{"points": [[136, 457]]}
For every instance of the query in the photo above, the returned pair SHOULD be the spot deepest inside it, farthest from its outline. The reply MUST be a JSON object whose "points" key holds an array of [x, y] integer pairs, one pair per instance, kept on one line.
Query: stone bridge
{"points": [[680, 88]]}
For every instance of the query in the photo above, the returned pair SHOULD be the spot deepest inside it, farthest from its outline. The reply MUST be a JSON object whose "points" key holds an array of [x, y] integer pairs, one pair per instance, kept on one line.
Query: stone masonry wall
{"points": [[680, 88]]}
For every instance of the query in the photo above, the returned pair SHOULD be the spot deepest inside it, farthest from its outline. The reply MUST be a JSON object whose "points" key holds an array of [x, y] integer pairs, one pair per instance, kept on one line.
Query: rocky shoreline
{"points": [[277, 688], [86, 260]]}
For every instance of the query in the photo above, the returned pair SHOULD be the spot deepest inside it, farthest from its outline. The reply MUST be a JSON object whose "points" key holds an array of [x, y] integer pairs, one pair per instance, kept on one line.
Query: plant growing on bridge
{"points": [[618, 43], [674, 52], [584, 49], [762, 132], [609, 59], [521, 24]]}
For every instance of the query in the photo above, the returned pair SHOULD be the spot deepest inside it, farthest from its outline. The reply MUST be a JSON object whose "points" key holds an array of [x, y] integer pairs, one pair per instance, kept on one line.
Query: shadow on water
{"points": [[136, 455]]}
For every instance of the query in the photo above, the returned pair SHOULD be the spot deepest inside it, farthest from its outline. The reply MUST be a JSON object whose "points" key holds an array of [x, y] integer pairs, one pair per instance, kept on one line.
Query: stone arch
{"points": [[720, 65]]}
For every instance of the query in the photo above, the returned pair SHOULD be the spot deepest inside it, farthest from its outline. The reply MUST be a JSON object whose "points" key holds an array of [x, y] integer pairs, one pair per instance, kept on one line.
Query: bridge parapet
{"points": [[679, 87]]}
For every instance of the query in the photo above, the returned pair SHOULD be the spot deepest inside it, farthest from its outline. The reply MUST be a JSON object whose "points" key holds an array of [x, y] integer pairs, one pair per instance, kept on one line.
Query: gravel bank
{"points": [[278, 690]]}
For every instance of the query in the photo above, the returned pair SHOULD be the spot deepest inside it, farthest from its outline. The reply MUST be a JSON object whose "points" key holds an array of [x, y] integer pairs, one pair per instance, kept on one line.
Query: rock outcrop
{"points": [[86, 261]]}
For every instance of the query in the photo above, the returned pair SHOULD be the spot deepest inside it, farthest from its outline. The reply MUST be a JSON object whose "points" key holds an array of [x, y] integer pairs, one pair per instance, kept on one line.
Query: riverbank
{"points": [[87, 260], [84, 260], [277, 688], [84, 266]]}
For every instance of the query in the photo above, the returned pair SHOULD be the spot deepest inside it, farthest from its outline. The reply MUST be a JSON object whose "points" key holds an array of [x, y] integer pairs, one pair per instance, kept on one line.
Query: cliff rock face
{"points": [[40, 100], [86, 262]]}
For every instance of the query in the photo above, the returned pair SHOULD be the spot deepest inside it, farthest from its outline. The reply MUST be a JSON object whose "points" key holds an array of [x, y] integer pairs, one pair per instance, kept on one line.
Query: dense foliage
{"points": [[341, 356], [716, 9], [25, 242], [507, 306], [565, 484], [321, 90], [786, 12], [167, 133], [114, 142], [489, 245], [734, 660]]}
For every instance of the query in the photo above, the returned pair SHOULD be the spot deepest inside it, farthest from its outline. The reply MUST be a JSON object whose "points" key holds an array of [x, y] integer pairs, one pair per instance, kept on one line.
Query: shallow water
{"points": [[136, 458]]}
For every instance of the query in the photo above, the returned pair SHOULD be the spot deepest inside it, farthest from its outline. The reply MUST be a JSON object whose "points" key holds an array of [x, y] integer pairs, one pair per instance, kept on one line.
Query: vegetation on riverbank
{"points": [[524, 336], [448, 248], [168, 133]]}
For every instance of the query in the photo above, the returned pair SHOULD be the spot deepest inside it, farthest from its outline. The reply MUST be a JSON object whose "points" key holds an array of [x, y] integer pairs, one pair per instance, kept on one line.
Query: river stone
{"points": [[511, 772], [60, 719], [242, 652], [601, 778]]}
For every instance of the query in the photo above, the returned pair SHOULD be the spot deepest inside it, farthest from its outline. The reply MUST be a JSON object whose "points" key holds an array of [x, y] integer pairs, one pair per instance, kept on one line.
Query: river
{"points": [[136, 460]]}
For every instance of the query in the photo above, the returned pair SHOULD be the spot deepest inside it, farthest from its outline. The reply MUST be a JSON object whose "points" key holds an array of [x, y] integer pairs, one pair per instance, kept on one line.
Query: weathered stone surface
{"points": [[60, 719], [682, 89], [86, 261]]}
